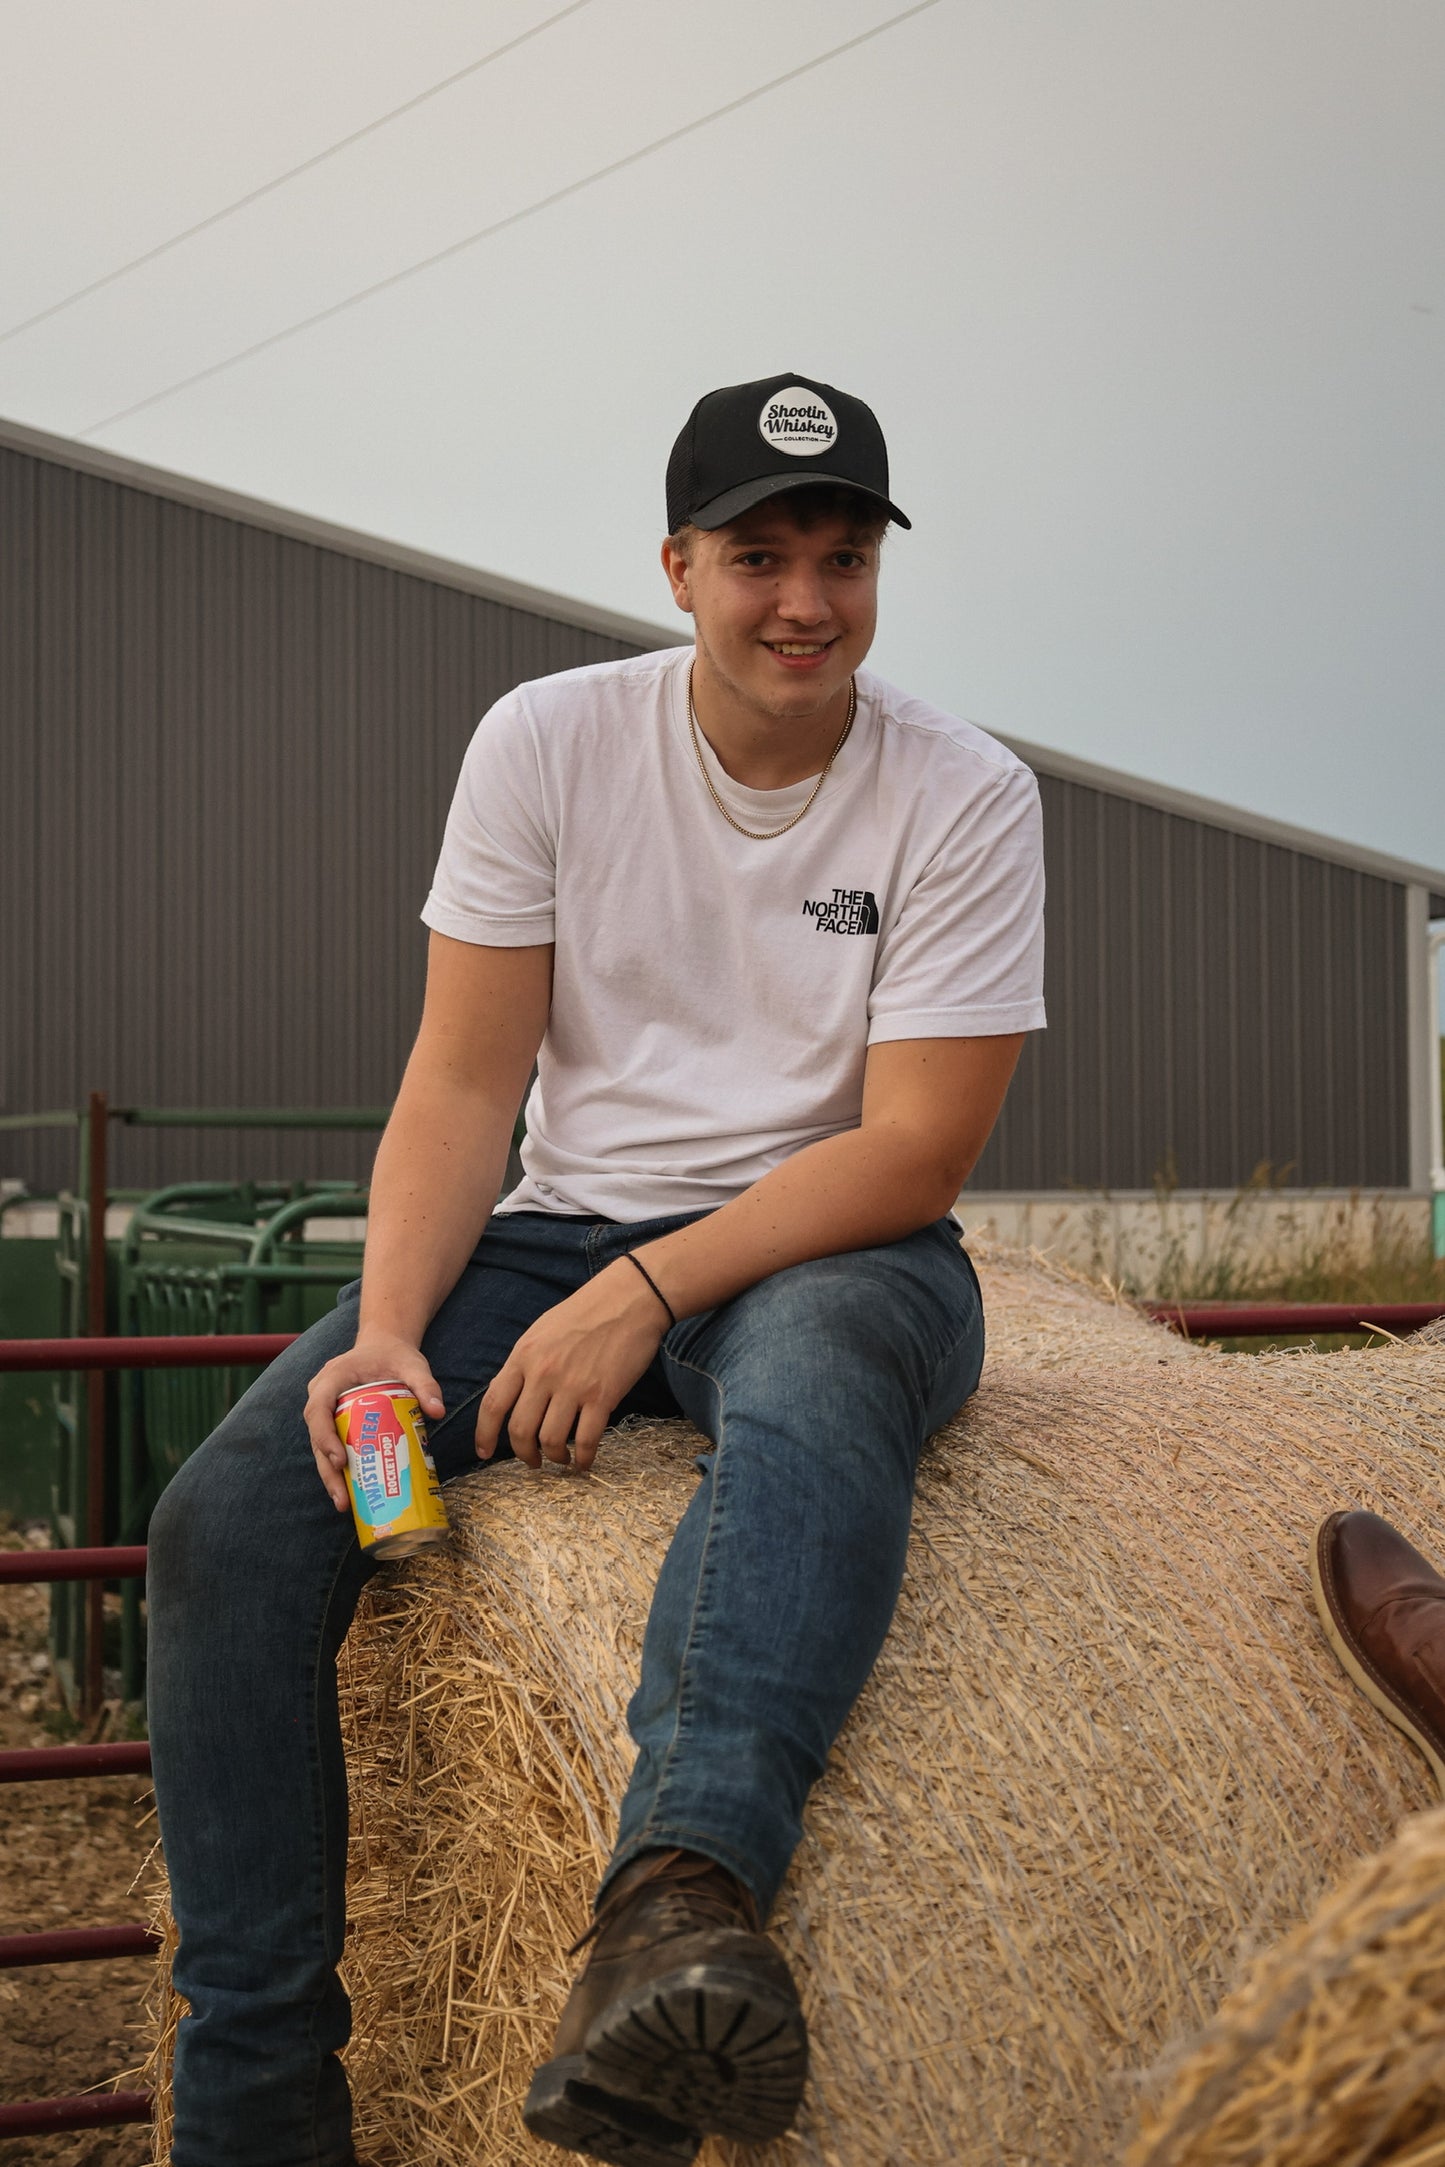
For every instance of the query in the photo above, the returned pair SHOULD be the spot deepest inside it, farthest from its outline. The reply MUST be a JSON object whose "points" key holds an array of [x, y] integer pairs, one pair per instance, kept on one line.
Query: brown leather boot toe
{"points": [[1382, 1606], [685, 2021]]}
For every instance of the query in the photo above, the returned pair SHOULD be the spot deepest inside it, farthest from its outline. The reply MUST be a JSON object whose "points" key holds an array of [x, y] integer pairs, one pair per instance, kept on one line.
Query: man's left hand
{"points": [[555, 1393]]}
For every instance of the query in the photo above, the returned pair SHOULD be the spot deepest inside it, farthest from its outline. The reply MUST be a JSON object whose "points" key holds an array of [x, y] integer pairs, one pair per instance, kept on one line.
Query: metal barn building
{"points": [[228, 736]]}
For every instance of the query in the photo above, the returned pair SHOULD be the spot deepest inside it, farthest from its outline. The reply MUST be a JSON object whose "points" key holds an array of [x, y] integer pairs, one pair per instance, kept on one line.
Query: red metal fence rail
{"points": [[220, 1350], [76, 1945], [86, 2110], [1278, 1320], [42, 1764], [124, 1562], [203, 1350]]}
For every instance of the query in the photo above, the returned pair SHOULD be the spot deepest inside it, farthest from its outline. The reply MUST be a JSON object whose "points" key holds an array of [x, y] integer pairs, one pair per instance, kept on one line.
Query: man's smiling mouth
{"points": [[798, 647]]}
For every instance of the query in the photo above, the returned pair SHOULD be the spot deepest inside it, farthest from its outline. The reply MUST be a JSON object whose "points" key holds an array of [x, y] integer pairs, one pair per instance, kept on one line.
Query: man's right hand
{"points": [[376, 1357]]}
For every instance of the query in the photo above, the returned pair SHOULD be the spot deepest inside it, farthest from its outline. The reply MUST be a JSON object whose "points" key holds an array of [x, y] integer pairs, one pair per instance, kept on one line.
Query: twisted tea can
{"points": [[396, 1499]]}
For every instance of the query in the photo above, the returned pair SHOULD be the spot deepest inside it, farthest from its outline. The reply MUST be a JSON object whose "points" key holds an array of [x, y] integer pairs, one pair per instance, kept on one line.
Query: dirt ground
{"points": [[69, 1853]]}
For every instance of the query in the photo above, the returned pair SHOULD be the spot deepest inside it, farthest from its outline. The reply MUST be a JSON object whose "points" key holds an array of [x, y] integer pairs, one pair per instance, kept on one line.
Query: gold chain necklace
{"points": [[769, 835]]}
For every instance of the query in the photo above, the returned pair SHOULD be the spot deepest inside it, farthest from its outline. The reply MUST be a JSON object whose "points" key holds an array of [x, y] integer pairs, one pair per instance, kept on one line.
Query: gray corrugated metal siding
{"points": [[225, 761], [1216, 1004]]}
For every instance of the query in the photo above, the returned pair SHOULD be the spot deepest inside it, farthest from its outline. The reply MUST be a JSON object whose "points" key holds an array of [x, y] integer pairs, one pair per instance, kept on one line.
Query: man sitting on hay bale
{"points": [[772, 932]]}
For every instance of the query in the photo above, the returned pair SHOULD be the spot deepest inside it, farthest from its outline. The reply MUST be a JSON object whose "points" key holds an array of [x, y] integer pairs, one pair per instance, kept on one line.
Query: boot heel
{"points": [[562, 2108], [709, 2043]]}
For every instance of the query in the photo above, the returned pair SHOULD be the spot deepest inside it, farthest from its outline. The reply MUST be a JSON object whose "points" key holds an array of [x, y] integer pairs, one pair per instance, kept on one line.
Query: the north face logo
{"points": [[846, 910]]}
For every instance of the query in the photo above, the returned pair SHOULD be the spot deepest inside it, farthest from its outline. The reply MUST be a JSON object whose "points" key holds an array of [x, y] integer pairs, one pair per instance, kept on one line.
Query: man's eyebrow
{"points": [[758, 537]]}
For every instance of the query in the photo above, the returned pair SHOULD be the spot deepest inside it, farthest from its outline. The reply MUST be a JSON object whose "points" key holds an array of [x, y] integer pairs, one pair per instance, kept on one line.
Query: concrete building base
{"points": [[1203, 1241]]}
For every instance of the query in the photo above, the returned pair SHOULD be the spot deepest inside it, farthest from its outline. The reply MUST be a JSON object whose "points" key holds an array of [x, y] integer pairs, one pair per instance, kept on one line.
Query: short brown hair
{"points": [[807, 507]]}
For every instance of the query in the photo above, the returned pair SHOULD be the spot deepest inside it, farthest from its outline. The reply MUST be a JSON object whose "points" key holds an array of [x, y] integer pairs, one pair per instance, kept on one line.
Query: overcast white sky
{"points": [[1148, 296]]}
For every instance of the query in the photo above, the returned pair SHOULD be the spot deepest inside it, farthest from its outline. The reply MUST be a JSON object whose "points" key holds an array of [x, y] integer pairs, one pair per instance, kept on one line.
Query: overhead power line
{"points": [[281, 180], [500, 225]]}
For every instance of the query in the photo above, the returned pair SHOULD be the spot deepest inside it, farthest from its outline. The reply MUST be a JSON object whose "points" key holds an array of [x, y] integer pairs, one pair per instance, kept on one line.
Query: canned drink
{"points": [[396, 1499]]}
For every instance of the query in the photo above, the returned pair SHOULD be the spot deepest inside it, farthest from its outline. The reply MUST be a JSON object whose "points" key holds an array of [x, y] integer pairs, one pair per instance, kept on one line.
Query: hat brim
{"points": [[734, 502]]}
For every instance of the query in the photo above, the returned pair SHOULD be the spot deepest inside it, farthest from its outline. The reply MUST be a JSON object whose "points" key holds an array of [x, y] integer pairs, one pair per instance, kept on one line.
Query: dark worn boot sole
{"points": [[562, 2108], [710, 2046]]}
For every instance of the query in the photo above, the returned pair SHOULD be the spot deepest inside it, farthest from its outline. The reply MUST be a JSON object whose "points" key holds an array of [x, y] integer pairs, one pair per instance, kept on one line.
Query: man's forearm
{"points": [[438, 1170], [928, 1108], [852, 1191]]}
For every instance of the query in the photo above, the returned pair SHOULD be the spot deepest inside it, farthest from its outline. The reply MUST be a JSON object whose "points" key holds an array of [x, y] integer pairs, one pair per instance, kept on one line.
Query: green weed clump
{"points": [[1260, 1247], [1395, 1271]]}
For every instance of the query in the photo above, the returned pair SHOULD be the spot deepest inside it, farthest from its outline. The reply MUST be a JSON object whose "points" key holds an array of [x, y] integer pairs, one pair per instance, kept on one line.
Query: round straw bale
{"points": [[1331, 2052], [1105, 1757]]}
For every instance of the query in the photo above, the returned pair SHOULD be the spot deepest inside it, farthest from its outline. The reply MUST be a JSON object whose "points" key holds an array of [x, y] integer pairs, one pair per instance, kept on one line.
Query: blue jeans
{"points": [[817, 1388]]}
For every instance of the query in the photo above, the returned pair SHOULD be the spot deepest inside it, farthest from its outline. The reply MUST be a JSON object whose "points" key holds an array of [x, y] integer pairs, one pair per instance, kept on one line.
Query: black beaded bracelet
{"points": [[652, 1283]]}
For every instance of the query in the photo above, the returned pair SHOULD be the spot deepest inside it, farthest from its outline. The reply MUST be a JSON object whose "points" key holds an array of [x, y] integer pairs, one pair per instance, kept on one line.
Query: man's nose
{"points": [[801, 598]]}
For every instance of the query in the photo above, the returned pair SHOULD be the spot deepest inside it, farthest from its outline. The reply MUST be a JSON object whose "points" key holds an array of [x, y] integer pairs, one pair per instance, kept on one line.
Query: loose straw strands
{"points": [[1331, 2053], [1105, 1757], [164, 2009]]}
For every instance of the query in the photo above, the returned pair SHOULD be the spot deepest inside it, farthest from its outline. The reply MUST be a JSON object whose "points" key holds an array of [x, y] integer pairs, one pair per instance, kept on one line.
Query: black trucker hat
{"points": [[749, 442]]}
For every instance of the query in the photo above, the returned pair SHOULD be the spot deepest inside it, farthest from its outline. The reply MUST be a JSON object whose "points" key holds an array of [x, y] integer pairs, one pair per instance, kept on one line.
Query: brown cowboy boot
{"points": [[685, 2021]]}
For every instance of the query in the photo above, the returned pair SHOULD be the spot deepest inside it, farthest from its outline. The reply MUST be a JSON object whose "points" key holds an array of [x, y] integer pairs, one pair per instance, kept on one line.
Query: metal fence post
{"points": [[97, 1139], [1436, 953]]}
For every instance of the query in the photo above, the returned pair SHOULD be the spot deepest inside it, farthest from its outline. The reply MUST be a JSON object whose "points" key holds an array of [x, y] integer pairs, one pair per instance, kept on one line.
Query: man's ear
{"points": [[678, 571]]}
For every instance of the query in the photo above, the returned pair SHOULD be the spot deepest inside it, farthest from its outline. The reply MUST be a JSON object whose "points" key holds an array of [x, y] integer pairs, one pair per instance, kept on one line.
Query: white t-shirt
{"points": [[714, 997]]}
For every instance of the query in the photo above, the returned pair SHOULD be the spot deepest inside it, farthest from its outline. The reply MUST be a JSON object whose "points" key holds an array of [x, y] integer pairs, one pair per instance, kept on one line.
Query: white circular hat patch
{"points": [[799, 422]]}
